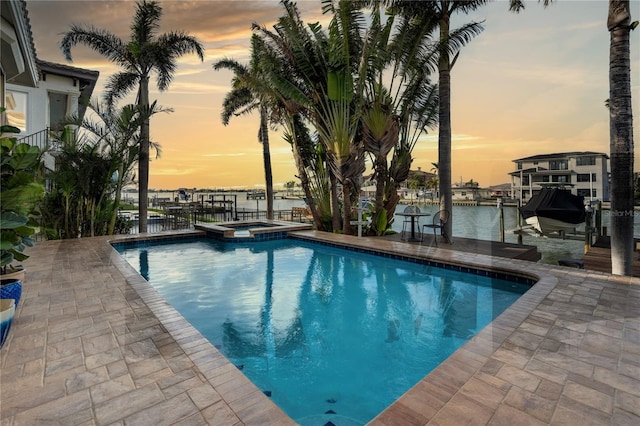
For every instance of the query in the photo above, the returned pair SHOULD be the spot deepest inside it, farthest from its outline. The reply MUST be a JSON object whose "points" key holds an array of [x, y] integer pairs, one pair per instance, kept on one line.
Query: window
{"points": [[589, 160], [57, 109], [545, 178], [560, 178], [558, 165], [584, 177], [525, 180], [16, 105], [585, 193], [519, 163], [535, 163]]}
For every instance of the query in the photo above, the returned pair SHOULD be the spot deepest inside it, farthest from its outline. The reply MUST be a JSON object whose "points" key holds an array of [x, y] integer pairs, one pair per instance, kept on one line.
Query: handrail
{"points": [[39, 139]]}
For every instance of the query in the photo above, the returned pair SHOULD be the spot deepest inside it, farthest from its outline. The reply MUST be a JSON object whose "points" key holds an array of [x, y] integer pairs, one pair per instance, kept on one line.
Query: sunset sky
{"points": [[531, 83]]}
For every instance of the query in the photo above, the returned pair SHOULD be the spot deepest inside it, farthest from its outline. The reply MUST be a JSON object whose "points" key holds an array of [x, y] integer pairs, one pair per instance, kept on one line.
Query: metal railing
{"points": [[39, 139], [186, 218]]}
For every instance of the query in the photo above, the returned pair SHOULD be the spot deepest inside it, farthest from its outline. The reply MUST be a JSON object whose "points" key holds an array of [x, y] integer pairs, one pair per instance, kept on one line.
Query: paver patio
{"points": [[94, 343]]}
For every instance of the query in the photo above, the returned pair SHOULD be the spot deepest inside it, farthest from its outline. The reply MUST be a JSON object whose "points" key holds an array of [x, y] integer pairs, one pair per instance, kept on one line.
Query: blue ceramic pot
{"points": [[11, 289], [7, 311]]}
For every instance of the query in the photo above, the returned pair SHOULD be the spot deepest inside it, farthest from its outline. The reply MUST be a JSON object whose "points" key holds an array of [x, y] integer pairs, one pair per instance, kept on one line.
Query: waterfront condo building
{"points": [[584, 173]]}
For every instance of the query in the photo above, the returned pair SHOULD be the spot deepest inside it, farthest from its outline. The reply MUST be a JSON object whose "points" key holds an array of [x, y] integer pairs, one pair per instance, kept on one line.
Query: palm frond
{"points": [[460, 37], [146, 21], [119, 85], [102, 41]]}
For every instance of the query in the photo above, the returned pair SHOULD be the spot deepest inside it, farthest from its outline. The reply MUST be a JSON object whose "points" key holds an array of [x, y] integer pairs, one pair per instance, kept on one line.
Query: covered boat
{"points": [[554, 211]]}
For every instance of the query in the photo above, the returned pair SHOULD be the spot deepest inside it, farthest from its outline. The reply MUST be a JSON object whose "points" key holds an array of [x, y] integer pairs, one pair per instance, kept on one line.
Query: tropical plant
{"points": [[93, 166], [439, 12], [289, 61], [250, 92], [400, 102], [146, 53], [79, 203], [21, 190], [334, 81]]}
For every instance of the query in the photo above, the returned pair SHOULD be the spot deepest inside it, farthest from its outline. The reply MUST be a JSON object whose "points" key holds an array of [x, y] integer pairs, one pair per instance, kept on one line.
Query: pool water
{"points": [[329, 334]]}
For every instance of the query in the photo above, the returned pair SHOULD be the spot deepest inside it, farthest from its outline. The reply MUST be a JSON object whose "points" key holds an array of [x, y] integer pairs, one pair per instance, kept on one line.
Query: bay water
{"points": [[476, 222]]}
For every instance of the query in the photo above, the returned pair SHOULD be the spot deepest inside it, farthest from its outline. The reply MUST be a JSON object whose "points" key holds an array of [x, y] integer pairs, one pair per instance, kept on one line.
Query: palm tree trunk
{"points": [[621, 139], [116, 202], [346, 201], [444, 126], [336, 216], [143, 156], [304, 178], [381, 181], [266, 157]]}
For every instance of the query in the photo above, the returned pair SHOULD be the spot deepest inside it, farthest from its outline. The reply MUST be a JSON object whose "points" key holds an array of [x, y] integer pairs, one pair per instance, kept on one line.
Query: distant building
{"points": [[584, 173], [469, 193], [503, 190]]}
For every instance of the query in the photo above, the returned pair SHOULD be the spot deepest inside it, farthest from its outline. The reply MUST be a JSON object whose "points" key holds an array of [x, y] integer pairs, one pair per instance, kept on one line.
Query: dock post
{"points": [[598, 220], [588, 229], [501, 213], [519, 219]]}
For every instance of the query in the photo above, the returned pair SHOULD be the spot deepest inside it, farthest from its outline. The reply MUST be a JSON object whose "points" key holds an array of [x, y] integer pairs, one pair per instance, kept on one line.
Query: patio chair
{"points": [[440, 220], [408, 220]]}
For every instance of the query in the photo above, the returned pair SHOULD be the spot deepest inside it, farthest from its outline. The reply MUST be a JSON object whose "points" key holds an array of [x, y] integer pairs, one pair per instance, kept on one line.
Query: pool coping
{"points": [[542, 286], [563, 352], [273, 229]]}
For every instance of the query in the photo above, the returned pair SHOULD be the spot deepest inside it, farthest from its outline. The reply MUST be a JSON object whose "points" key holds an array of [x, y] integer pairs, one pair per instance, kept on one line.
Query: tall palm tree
{"points": [[144, 54], [439, 13], [296, 60], [250, 92], [621, 137]]}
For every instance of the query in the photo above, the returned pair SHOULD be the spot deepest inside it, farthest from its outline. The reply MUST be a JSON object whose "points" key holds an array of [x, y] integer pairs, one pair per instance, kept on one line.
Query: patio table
{"points": [[413, 216]]}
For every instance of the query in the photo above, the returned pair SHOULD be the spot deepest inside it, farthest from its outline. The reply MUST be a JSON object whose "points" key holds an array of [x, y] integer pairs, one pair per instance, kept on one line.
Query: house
{"points": [[469, 193], [502, 190], [37, 94], [583, 173]]}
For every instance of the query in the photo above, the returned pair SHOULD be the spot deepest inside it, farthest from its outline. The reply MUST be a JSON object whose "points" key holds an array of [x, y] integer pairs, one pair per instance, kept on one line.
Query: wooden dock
{"points": [[598, 258], [490, 248]]}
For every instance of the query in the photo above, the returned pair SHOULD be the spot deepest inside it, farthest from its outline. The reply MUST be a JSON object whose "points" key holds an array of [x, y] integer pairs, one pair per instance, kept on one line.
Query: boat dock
{"points": [[490, 248], [598, 258]]}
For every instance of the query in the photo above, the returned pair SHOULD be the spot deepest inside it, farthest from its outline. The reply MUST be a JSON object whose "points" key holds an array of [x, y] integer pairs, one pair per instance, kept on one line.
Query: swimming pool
{"points": [[330, 334]]}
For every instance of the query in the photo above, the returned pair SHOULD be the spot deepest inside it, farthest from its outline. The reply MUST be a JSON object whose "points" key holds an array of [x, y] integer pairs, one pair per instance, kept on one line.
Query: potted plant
{"points": [[7, 311], [21, 191]]}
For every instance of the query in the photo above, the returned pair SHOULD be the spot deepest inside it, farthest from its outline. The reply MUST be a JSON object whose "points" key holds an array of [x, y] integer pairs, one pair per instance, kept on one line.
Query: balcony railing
{"points": [[39, 139]]}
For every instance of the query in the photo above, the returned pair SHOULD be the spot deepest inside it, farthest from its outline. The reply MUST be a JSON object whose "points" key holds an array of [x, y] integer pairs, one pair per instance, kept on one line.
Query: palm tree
{"points": [[336, 81], [297, 65], [400, 102], [250, 92], [145, 53], [621, 137], [117, 132], [443, 10]]}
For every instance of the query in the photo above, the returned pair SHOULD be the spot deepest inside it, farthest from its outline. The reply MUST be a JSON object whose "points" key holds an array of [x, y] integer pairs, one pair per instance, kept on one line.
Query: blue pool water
{"points": [[330, 334]]}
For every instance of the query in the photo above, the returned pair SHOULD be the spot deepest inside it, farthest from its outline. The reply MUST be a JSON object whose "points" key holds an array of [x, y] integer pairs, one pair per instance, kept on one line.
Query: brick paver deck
{"points": [[93, 343]]}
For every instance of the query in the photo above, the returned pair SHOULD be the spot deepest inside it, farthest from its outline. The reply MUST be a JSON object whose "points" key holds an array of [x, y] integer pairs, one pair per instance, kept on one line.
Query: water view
{"points": [[476, 222]]}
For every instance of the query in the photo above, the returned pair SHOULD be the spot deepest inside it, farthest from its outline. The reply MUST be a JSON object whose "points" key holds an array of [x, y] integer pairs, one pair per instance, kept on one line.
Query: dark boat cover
{"points": [[556, 204]]}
